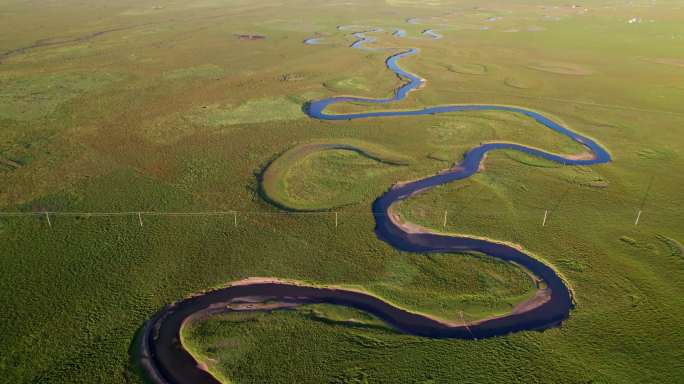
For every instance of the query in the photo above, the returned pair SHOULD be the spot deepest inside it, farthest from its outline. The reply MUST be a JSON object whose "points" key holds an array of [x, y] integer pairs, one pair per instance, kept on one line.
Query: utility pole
{"points": [[140, 219], [465, 324], [47, 216], [546, 214], [643, 200], [445, 219]]}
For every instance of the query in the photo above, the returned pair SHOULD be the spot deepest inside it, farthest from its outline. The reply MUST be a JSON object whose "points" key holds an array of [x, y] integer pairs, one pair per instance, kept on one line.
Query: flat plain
{"points": [[147, 107]]}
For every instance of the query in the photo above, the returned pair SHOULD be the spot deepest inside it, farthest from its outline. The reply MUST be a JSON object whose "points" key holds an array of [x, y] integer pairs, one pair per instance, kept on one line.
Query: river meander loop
{"points": [[167, 361]]}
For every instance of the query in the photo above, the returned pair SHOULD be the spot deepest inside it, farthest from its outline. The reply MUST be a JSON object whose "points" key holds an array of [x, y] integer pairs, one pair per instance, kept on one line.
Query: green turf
{"points": [[167, 110], [34, 97], [354, 85], [207, 70], [257, 111], [454, 287], [324, 175]]}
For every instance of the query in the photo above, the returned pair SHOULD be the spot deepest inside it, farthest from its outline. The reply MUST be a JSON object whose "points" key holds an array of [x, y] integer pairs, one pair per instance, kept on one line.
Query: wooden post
{"points": [[47, 216], [335, 219], [445, 219], [636, 222], [546, 214], [465, 324], [140, 219], [235, 219]]}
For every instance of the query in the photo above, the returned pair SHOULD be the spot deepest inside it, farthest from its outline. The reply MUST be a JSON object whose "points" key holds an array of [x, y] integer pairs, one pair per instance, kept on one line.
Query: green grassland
{"points": [[165, 109], [324, 175]]}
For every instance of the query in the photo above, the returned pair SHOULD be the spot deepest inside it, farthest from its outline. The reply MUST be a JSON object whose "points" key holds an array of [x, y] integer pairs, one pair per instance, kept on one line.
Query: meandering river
{"points": [[166, 360]]}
